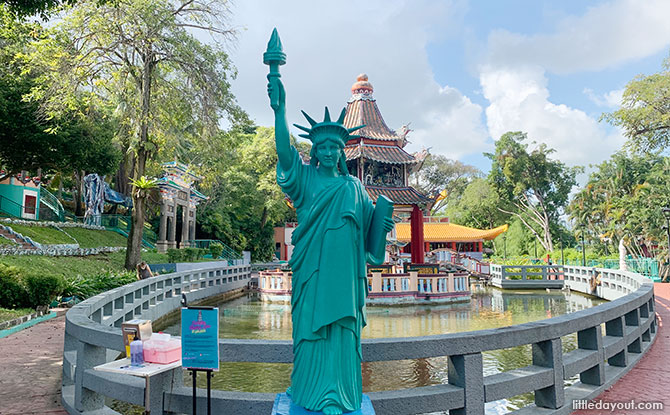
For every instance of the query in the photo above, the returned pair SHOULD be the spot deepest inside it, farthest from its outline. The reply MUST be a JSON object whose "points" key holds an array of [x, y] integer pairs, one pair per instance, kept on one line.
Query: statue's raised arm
{"points": [[274, 56]]}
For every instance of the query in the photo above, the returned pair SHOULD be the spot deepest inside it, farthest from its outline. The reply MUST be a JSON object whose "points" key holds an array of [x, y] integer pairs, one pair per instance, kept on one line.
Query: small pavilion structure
{"points": [[440, 234], [377, 157], [177, 189]]}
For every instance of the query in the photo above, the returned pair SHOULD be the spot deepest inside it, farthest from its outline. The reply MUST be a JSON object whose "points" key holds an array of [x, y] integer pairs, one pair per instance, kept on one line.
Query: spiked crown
{"points": [[319, 131]]}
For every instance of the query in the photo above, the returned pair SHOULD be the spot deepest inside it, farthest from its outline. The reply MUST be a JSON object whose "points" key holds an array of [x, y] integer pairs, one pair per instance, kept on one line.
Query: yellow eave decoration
{"points": [[448, 232]]}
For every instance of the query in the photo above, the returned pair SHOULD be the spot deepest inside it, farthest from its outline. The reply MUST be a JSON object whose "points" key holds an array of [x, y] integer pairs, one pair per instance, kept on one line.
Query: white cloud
{"points": [[609, 34], [609, 99], [329, 44], [520, 102], [513, 75]]}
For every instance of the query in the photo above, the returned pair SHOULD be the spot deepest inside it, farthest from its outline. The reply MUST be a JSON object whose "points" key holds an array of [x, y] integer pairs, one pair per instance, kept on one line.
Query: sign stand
{"points": [[194, 373], [200, 345]]}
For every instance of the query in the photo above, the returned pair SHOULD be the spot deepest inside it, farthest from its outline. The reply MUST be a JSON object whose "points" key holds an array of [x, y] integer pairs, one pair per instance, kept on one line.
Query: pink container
{"points": [[160, 348]]}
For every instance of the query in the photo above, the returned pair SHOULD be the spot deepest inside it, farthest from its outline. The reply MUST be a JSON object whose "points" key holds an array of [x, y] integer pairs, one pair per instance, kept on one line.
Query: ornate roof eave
{"points": [[379, 153], [197, 195], [400, 196]]}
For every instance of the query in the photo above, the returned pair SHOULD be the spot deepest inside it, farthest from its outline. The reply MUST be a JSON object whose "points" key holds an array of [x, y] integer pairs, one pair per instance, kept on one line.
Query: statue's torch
{"points": [[274, 56]]}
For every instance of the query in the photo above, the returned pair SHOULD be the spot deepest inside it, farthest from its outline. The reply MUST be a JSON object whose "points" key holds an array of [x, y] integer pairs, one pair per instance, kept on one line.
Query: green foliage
{"points": [[14, 294], [477, 206], [79, 138], [245, 201], [42, 288], [174, 255], [26, 8], [622, 201], [440, 174], [644, 114], [84, 287], [190, 254], [535, 186], [215, 250]]}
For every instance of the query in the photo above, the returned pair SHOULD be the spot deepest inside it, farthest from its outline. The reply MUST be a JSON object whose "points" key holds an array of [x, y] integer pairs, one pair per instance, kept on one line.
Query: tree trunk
{"points": [[121, 182], [134, 247], [79, 186]]}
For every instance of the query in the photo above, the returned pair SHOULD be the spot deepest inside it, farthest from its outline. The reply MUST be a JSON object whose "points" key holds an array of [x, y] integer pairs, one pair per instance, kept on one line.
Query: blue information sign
{"points": [[200, 338]]}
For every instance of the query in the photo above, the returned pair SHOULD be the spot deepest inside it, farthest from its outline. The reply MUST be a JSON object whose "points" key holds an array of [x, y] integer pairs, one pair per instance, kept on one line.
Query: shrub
{"points": [[201, 253], [216, 250], [42, 289], [190, 254], [174, 255], [12, 293], [77, 286]]}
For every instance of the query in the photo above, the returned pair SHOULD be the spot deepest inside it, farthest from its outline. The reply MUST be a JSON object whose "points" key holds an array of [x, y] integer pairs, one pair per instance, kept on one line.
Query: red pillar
{"points": [[481, 249], [417, 235]]}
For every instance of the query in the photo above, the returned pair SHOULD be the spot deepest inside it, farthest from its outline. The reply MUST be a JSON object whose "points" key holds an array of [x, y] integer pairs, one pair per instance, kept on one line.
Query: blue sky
{"points": [[461, 72]]}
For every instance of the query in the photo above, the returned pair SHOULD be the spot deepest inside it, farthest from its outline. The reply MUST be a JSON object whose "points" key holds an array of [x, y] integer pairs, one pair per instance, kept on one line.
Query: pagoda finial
{"points": [[362, 86]]}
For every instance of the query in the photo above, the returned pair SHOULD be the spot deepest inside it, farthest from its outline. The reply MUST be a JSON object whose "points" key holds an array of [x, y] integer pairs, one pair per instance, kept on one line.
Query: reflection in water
{"points": [[488, 308]]}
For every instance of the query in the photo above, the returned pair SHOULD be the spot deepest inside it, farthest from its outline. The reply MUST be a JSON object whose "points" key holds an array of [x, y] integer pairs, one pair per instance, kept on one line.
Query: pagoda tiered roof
{"points": [[380, 153], [362, 110]]}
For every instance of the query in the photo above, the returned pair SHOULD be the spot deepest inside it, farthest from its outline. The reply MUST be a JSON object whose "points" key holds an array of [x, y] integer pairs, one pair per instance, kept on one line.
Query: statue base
{"points": [[284, 406]]}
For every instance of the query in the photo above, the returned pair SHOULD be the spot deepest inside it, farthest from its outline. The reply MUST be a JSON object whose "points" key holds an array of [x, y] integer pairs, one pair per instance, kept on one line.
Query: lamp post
{"points": [[581, 227], [535, 245], [562, 260], [666, 213]]}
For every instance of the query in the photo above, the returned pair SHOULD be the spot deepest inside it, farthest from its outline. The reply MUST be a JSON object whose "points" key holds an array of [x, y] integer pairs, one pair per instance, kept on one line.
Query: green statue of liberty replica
{"points": [[339, 230]]}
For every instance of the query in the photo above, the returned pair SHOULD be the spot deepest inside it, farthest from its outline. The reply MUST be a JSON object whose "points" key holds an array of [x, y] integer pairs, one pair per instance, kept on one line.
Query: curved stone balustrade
{"points": [[599, 360]]}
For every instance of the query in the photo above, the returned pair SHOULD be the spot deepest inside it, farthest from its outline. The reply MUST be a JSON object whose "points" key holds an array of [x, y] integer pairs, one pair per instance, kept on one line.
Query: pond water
{"points": [[250, 318]]}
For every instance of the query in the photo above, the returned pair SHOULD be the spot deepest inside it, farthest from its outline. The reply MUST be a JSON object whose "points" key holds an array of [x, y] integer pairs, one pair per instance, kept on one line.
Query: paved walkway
{"points": [[649, 380], [32, 362]]}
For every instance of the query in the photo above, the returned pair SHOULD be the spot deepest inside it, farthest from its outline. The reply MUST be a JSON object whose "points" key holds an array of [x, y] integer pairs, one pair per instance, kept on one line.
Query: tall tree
{"points": [[478, 206], [29, 141], [245, 201], [536, 186], [440, 174], [644, 114], [142, 57]]}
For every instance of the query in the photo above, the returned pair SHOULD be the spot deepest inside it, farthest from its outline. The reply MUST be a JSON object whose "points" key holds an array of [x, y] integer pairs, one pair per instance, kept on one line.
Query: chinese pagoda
{"points": [[376, 156]]}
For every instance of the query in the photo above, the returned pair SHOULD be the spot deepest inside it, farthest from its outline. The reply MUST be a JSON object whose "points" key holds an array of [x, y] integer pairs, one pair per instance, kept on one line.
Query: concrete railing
{"points": [[526, 276], [93, 334], [383, 288], [599, 360]]}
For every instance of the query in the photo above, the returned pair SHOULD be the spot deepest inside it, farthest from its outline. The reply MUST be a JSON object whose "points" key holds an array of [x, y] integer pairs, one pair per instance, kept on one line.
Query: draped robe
{"points": [[329, 285]]}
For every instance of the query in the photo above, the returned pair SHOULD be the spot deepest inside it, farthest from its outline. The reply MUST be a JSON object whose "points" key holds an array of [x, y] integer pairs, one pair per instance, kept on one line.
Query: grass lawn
{"points": [[72, 266], [90, 238], [6, 242], [42, 234], [7, 314]]}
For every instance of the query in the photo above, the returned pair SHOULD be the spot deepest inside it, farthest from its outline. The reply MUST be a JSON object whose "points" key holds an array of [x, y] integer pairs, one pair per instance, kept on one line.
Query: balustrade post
{"points": [[413, 281], [376, 282], [591, 339], [549, 353], [632, 319], [467, 371], [615, 328], [161, 383], [88, 356]]}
